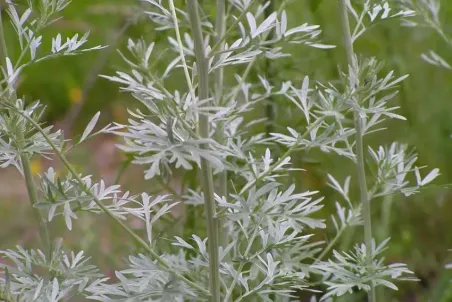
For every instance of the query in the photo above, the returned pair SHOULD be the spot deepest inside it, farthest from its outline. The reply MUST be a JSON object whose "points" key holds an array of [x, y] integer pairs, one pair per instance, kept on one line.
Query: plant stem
{"points": [[170, 189], [86, 190], [366, 213], [348, 44], [220, 41], [364, 199], [220, 28], [386, 216], [330, 245], [181, 51], [32, 196], [76, 108], [270, 72], [44, 236], [124, 165], [206, 171], [3, 48]]}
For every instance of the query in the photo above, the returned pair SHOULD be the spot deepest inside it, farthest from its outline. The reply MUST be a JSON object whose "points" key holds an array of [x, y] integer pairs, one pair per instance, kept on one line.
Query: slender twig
{"points": [[181, 51], [332, 243], [366, 210], [124, 165], [170, 189], [206, 171], [88, 192], [71, 116]]}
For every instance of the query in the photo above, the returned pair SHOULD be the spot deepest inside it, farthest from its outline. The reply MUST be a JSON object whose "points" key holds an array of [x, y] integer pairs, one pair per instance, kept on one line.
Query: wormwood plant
{"points": [[260, 243], [428, 16]]}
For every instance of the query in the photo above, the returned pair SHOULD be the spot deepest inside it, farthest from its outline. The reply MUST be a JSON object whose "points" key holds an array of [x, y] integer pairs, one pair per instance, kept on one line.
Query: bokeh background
{"points": [[420, 226]]}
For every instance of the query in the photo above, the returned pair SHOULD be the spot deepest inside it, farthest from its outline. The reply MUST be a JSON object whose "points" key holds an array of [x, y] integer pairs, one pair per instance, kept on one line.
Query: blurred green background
{"points": [[420, 226]]}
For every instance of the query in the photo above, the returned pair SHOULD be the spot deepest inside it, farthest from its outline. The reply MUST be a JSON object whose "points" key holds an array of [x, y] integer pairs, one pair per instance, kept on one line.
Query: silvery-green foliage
{"points": [[348, 270], [345, 216], [373, 92], [368, 12], [393, 164], [270, 206], [19, 137], [163, 144], [30, 142], [427, 12], [327, 109], [433, 58], [253, 40], [34, 275], [67, 197], [28, 27], [18, 134], [66, 275], [175, 143], [263, 168], [314, 299], [143, 280], [449, 266], [272, 234], [159, 14], [366, 94], [270, 227], [318, 133], [267, 273]]}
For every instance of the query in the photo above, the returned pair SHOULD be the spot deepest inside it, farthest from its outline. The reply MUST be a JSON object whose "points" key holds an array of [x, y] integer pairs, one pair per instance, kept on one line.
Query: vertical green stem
{"points": [[386, 216], [3, 48], [206, 171], [32, 196], [366, 213], [220, 28], [269, 71], [364, 198], [348, 43]]}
